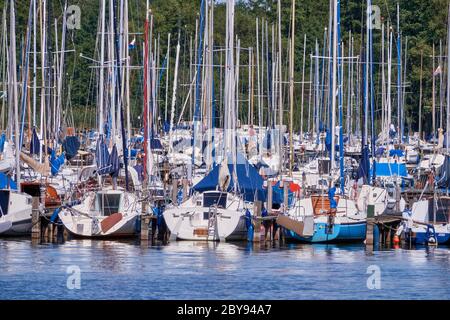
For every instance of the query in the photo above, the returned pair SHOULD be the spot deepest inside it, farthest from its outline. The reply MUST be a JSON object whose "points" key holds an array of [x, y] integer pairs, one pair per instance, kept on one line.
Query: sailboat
{"points": [[15, 206], [112, 210], [327, 217], [217, 209]]}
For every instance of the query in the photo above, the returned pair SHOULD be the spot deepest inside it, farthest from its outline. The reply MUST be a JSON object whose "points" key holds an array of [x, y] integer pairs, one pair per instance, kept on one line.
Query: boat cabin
{"points": [[108, 202]]}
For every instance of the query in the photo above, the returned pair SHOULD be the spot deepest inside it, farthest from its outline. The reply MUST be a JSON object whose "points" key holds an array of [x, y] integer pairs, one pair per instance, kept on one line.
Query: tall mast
{"points": [[291, 90], [34, 61], [13, 73], [167, 77], [334, 82], [174, 94], [448, 80], [280, 92], [420, 96], [303, 88]]}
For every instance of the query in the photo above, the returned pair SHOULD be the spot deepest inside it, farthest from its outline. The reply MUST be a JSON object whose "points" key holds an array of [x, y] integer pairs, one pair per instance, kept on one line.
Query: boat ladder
{"points": [[212, 223]]}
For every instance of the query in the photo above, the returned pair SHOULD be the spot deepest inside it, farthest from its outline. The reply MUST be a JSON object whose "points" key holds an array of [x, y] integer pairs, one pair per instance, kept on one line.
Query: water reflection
{"points": [[127, 269]]}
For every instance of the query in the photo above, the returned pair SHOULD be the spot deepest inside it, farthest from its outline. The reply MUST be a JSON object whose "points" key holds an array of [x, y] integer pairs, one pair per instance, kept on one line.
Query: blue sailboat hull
{"points": [[349, 232], [422, 238]]}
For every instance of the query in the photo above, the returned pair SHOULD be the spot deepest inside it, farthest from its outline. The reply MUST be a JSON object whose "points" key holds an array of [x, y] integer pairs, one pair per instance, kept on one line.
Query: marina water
{"points": [[87, 269]]}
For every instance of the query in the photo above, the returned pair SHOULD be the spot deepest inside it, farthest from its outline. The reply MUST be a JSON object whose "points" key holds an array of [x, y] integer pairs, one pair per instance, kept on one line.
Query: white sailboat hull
{"points": [[15, 219], [188, 222]]}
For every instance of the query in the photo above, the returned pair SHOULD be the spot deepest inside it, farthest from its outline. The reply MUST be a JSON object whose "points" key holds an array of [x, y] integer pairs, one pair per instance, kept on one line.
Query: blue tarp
{"points": [[35, 145], [390, 169], [71, 146], [155, 144], [115, 164], [56, 162], [250, 183], [363, 169], [2, 142], [102, 157], [4, 182], [278, 195], [396, 153]]}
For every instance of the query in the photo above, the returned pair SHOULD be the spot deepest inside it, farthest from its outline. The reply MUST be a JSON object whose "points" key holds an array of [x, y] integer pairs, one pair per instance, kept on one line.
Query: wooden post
{"points": [[144, 222], [269, 196], [286, 196], [35, 220], [369, 231], [185, 189], [257, 230], [174, 191]]}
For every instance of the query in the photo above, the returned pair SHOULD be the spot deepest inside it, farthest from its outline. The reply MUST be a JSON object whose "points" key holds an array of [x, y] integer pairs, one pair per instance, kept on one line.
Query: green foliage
{"points": [[423, 22]]}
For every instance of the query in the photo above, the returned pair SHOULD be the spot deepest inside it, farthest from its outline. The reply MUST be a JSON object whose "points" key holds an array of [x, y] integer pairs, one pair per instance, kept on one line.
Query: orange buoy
{"points": [[396, 239]]}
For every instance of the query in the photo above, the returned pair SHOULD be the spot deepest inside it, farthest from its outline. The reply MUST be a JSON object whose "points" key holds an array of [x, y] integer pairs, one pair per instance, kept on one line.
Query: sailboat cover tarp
{"points": [[115, 164], [250, 183], [35, 145], [71, 145], [102, 157], [390, 169], [2, 142], [56, 162]]}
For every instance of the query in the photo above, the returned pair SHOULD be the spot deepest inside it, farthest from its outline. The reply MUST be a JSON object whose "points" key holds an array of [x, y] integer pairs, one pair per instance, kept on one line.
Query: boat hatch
{"points": [[4, 202], [108, 203], [215, 198], [324, 166]]}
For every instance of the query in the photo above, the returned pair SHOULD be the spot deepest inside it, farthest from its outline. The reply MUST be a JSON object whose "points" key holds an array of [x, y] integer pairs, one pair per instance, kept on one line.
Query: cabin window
{"points": [[108, 204], [215, 198], [4, 202]]}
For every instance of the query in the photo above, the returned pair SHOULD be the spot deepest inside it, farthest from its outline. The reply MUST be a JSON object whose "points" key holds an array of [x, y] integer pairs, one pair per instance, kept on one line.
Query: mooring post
{"points": [[286, 196], [257, 230], [144, 221], [269, 196], [185, 189], [35, 220], [174, 191], [369, 231], [370, 221]]}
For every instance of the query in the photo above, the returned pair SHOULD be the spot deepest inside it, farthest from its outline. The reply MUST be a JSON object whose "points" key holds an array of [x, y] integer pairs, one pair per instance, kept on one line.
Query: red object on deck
{"points": [[110, 221], [294, 187]]}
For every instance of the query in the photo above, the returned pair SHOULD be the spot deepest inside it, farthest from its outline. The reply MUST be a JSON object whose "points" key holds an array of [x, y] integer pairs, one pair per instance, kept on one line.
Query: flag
{"points": [[132, 44], [437, 71]]}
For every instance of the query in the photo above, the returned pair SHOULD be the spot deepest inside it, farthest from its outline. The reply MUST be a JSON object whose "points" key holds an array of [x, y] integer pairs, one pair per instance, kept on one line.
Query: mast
{"points": [[434, 96], [34, 61], [167, 77], [13, 73], [174, 95], [118, 100], [303, 88], [291, 90], [420, 96], [280, 93], [334, 82], [448, 80]]}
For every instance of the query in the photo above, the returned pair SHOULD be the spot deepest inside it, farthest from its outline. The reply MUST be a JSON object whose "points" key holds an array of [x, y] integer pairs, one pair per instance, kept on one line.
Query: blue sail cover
{"points": [[4, 182], [396, 153], [390, 169], [2, 142], [102, 157], [56, 162], [71, 146], [363, 169], [35, 145], [115, 164], [250, 183], [278, 195]]}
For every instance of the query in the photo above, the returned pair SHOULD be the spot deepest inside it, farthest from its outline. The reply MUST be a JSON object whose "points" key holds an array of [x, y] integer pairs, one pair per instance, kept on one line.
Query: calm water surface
{"points": [[190, 270]]}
